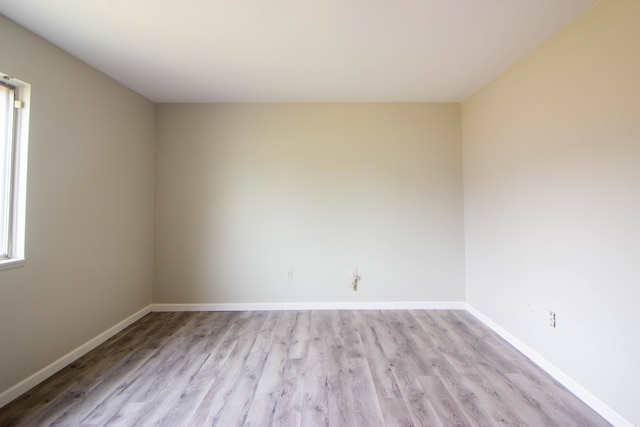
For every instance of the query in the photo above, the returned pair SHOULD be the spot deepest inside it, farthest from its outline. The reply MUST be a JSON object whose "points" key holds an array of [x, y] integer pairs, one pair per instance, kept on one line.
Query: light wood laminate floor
{"points": [[302, 368]]}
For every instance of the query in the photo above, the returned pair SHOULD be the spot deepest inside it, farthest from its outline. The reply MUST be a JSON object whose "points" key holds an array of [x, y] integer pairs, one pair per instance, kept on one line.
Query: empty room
{"points": [[337, 213]]}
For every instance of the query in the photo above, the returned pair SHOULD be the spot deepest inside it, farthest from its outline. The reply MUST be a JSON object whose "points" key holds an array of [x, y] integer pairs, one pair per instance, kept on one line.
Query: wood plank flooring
{"points": [[304, 368]]}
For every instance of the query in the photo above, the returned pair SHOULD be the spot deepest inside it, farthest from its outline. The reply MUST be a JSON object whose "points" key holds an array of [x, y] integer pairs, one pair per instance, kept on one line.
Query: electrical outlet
{"points": [[530, 307], [290, 275], [552, 319]]}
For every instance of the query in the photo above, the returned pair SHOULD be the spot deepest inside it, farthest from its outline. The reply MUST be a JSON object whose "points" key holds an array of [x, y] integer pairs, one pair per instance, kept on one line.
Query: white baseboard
{"points": [[44, 373], [374, 305], [592, 401]]}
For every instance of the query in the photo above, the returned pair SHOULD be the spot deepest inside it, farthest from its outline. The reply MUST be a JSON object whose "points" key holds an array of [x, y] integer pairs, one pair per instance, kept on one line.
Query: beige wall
{"points": [[245, 193], [552, 201], [89, 208]]}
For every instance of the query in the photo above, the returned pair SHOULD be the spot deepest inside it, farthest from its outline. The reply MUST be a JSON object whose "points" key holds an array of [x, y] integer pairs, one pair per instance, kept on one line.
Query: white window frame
{"points": [[17, 176]]}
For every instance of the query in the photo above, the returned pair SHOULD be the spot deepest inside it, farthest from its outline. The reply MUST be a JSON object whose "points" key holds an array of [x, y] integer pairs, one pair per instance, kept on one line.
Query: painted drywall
{"points": [[89, 228], [247, 193], [552, 201]]}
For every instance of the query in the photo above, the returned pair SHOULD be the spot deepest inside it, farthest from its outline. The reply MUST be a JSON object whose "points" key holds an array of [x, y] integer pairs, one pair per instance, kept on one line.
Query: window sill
{"points": [[6, 264]]}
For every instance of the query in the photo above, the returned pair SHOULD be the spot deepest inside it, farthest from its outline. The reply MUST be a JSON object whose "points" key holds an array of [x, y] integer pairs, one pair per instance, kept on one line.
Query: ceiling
{"points": [[298, 50]]}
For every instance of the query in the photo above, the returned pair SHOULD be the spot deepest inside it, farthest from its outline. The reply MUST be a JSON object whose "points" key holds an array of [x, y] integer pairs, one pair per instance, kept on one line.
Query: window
{"points": [[14, 118]]}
